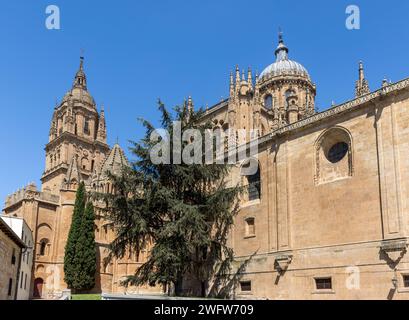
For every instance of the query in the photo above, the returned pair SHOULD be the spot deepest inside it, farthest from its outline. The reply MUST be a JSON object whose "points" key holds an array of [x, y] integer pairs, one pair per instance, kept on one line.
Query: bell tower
{"points": [[77, 135]]}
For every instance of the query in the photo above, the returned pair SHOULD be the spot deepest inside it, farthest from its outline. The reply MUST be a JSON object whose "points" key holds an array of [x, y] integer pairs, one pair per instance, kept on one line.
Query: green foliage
{"points": [[80, 252], [70, 266], [85, 253], [87, 297], [183, 211]]}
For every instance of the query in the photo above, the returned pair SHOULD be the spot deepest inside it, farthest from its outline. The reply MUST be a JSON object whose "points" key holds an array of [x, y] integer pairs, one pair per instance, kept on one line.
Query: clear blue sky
{"points": [[137, 51]]}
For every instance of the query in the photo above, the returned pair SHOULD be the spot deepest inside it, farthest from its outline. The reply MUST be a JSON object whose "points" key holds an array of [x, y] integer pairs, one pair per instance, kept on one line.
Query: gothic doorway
{"points": [[38, 288]]}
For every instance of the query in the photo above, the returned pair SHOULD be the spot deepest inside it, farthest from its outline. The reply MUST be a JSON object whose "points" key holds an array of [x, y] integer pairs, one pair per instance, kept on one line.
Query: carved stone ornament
{"points": [[282, 262], [394, 249]]}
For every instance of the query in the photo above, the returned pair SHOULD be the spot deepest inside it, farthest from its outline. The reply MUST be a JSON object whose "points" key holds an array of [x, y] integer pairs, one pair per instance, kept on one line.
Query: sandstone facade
{"points": [[77, 151], [325, 216], [330, 220]]}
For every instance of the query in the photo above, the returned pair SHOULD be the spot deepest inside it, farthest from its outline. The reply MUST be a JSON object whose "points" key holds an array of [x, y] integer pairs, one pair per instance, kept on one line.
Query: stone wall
{"points": [[331, 227]]}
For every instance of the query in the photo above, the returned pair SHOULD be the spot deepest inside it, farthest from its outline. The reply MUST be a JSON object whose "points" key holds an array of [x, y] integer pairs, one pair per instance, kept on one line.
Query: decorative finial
{"points": [[190, 103], [385, 82], [249, 77], [281, 51], [280, 35], [82, 58], [80, 78]]}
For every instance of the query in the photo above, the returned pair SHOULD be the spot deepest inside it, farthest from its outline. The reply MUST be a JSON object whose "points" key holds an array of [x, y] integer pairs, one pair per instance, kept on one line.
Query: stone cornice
{"points": [[216, 107], [348, 106], [82, 109], [69, 136], [289, 79], [345, 107], [37, 196], [61, 168]]}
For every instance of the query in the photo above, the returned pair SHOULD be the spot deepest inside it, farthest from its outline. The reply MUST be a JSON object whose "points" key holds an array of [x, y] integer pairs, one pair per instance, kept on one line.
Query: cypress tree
{"points": [[85, 253], [184, 211], [70, 266]]}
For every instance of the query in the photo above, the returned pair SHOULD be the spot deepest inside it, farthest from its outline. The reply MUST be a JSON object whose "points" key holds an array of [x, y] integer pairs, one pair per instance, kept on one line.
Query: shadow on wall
{"points": [[224, 286]]}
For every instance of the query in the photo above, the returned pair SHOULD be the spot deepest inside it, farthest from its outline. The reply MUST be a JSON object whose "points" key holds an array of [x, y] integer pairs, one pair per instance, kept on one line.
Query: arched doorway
{"points": [[38, 288]]}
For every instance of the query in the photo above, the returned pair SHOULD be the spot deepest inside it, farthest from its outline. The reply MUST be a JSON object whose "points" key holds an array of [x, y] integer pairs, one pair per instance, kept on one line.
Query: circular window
{"points": [[338, 152]]}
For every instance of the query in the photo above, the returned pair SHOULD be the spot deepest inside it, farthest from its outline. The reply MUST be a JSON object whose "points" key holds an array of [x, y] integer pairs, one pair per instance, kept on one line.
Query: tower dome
{"points": [[79, 89], [283, 66], [285, 89]]}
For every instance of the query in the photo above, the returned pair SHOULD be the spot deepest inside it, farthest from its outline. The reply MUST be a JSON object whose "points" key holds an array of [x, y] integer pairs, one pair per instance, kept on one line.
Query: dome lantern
{"points": [[283, 66]]}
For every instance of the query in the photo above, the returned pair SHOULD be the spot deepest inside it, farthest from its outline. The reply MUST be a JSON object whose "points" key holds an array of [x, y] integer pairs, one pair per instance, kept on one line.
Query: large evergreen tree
{"points": [[80, 250], [85, 251], [70, 265], [183, 211]]}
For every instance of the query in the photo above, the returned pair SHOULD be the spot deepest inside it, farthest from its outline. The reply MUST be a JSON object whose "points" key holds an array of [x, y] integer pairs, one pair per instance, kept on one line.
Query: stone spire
{"points": [[188, 108], [231, 85], [190, 105], [237, 78], [53, 127], [80, 80], [73, 176], [250, 77], [102, 129], [361, 87]]}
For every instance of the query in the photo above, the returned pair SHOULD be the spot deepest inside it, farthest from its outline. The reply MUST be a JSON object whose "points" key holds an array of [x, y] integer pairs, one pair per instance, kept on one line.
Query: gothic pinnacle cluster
{"points": [[281, 95], [362, 86], [240, 85]]}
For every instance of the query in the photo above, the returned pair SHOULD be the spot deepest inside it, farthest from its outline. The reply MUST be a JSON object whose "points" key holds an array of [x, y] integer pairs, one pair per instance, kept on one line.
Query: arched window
{"points": [[250, 170], [84, 163], [86, 127], [254, 186], [290, 96], [333, 155], [43, 247], [268, 101], [289, 93]]}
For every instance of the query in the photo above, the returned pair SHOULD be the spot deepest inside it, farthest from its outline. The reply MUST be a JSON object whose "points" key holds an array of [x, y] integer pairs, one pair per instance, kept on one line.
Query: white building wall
{"points": [[20, 227]]}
